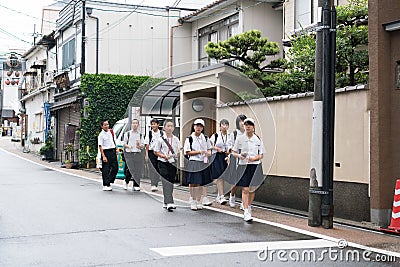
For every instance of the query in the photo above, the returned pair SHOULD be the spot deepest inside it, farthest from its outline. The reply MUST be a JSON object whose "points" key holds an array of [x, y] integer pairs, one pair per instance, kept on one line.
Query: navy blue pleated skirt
{"points": [[250, 175], [198, 172]]}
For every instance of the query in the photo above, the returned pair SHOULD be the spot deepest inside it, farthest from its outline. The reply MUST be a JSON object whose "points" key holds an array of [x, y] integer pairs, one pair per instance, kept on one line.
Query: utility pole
{"points": [[321, 173]]}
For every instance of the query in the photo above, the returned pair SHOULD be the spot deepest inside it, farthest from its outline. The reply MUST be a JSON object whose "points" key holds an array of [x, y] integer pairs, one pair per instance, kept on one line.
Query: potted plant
{"points": [[68, 164], [69, 150], [47, 151]]}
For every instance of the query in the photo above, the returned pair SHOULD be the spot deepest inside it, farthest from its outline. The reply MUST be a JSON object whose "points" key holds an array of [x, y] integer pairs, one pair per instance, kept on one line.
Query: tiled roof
{"points": [[202, 10], [292, 96]]}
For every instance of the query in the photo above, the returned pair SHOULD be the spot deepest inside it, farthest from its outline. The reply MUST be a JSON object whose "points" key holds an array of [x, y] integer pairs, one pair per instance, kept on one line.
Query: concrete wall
{"points": [[290, 123], [288, 129]]}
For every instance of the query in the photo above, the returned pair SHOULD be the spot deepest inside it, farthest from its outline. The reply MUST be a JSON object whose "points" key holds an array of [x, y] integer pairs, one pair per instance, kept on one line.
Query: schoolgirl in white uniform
{"points": [[198, 147], [222, 144], [167, 149], [232, 178], [249, 149]]}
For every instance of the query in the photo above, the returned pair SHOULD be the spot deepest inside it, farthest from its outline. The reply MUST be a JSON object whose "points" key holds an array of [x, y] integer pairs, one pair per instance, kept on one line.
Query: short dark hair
{"points": [[224, 121], [102, 122], [154, 120], [239, 118]]}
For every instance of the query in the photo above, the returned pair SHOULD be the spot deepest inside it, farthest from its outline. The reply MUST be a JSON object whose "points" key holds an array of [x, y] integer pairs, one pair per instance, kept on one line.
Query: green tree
{"points": [[351, 52], [250, 49], [352, 62]]}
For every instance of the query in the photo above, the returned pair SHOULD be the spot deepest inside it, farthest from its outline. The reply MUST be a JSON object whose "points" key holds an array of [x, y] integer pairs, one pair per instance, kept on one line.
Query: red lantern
{"points": [[8, 82], [16, 82], [16, 74], [9, 73]]}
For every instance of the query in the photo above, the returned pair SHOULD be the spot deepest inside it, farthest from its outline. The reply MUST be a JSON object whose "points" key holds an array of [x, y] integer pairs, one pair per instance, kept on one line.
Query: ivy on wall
{"points": [[108, 96]]}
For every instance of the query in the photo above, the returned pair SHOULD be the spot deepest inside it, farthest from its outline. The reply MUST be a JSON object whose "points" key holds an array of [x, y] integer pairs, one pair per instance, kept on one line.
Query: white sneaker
{"points": [[193, 205], [221, 200], [136, 188], [104, 188], [125, 186], [107, 188], [164, 206], [232, 201], [154, 188], [171, 206], [199, 205], [242, 207], [247, 215], [205, 201]]}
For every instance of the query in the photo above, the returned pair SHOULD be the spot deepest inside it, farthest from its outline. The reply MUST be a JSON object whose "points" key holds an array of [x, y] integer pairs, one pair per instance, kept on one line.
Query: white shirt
{"points": [[162, 147], [199, 143], [223, 141], [253, 146], [239, 133], [154, 137], [134, 137], [106, 140]]}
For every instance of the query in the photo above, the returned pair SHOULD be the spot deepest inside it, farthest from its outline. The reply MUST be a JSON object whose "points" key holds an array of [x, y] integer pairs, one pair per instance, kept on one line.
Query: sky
{"points": [[18, 18]]}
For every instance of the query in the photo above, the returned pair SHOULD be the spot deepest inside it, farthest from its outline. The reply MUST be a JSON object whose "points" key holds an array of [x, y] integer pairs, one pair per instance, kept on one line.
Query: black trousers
{"points": [[109, 169], [128, 176], [133, 167], [154, 172], [168, 173]]}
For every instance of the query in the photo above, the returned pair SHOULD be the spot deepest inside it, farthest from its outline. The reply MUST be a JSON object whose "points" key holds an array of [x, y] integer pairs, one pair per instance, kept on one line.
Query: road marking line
{"points": [[243, 247], [279, 225]]}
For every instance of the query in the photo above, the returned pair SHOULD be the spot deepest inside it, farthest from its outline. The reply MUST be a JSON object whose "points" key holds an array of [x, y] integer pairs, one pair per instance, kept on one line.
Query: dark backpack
{"points": [[151, 135], [190, 137]]}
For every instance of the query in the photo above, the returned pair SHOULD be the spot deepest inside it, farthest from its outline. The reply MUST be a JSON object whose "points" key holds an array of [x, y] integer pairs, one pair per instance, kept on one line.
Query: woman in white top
{"points": [[232, 177], [222, 145], [198, 147], [249, 149], [167, 149]]}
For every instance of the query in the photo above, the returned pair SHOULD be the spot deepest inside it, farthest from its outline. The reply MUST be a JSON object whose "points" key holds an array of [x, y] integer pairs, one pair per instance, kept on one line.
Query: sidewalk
{"points": [[350, 232]]}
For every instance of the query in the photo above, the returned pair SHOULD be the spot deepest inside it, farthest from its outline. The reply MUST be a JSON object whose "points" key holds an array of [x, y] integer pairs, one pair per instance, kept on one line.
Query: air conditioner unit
{"points": [[48, 77]]}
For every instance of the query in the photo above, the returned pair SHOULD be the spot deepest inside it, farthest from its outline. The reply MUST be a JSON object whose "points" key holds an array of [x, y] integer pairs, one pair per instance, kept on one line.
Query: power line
{"points": [[19, 12], [14, 36]]}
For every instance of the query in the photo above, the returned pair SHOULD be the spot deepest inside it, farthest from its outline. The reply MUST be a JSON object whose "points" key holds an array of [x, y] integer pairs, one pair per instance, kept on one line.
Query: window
{"points": [[218, 31], [306, 12], [68, 54], [37, 124]]}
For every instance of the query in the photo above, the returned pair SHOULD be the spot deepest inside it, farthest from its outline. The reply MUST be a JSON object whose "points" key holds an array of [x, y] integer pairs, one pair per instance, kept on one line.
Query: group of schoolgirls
{"points": [[231, 157], [234, 158]]}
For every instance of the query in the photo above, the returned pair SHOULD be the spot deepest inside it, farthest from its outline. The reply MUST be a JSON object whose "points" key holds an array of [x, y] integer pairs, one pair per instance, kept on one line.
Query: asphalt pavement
{"points": [[52, 216]]}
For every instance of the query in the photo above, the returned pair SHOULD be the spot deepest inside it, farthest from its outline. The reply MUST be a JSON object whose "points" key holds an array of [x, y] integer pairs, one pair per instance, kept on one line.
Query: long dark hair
{"points": [[239, 118]]}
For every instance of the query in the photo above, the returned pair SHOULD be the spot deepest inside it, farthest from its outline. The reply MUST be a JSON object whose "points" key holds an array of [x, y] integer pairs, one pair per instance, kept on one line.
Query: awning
{"points": [[7, 113], [161, 100], [63, 103]]}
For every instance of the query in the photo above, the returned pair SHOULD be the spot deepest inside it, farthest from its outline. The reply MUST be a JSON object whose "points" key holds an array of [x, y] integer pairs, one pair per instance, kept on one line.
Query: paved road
{"points": [[51, 218]]}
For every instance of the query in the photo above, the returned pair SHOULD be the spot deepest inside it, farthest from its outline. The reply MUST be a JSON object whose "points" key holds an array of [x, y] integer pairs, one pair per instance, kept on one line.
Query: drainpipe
{"points": [[89, 11], [171, 43], [83, 57]]}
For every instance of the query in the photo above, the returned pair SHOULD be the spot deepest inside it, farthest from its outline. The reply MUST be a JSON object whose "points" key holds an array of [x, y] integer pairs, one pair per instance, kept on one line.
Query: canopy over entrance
{"points": [[161, 100]]}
